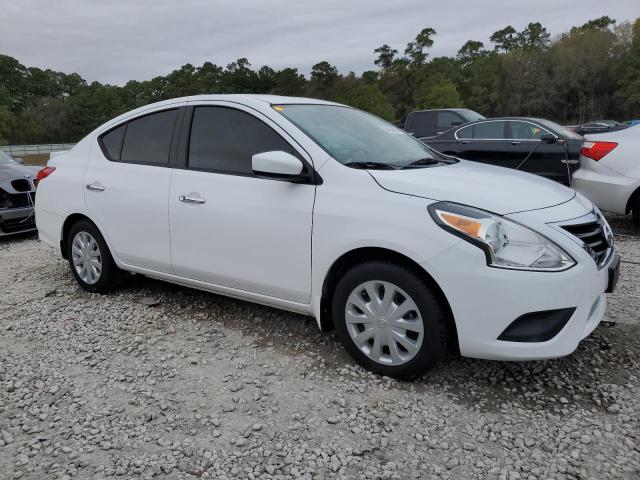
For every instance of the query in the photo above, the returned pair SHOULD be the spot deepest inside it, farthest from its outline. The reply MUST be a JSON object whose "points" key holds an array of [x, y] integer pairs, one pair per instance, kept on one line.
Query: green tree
{"points": [[416, 50], [288, 82], [386, 56], [323, 81], [437, 92], [324, 74], [368, 97], [534, 37], [469, 52], [6, 124], [629, 84], [505, 40], [603, 23]]}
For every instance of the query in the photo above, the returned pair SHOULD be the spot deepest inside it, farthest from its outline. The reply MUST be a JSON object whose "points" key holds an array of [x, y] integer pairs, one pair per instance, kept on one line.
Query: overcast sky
{"points": [[117, 40]]}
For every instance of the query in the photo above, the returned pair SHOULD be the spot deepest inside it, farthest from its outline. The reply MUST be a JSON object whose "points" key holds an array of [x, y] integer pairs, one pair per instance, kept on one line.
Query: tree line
{"points": [[591, 72]]}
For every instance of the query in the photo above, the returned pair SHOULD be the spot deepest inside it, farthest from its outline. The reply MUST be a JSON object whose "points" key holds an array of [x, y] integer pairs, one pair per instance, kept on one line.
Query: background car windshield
{"points": [[5, 159], [351, 135], [559, 129]]}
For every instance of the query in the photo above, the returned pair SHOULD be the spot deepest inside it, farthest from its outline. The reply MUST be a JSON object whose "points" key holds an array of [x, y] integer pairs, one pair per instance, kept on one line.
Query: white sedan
{"points": [[609, 173], [325, 210]]}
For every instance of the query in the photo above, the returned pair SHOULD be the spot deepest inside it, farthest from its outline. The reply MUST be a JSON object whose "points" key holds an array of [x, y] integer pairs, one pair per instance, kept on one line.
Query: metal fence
{"points": [[23, 150]]}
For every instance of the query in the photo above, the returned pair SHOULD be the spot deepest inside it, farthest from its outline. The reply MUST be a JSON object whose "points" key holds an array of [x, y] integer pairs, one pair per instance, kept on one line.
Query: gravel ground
{"points": [[162, 381]]}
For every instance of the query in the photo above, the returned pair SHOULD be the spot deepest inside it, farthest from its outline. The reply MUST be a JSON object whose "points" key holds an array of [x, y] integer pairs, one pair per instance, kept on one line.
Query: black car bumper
{"points": [[17, 220]]}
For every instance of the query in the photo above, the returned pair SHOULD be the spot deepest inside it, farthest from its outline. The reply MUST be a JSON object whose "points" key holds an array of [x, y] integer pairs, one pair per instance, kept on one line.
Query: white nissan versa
{"points": [[325, 210]]}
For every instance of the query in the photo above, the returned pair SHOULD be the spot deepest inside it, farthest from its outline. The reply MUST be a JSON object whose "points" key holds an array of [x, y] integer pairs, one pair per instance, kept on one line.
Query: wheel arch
{"points": [[69, 222], [361, 255], [632, 200]]}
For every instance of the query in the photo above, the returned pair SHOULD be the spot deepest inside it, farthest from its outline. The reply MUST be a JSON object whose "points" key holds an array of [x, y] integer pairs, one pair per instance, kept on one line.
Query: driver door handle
{"points": [[191, 199], [516, 143], [95, 186]]}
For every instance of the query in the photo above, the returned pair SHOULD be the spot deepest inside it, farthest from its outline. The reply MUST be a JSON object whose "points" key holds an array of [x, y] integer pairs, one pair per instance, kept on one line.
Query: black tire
{"points": [[436, 340], [110, 275], [635, 210]]}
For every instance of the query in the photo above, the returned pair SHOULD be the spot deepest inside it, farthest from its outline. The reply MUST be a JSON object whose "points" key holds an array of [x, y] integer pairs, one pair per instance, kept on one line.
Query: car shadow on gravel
{"points": [[587, 378], [7, 241], [287, 332]]}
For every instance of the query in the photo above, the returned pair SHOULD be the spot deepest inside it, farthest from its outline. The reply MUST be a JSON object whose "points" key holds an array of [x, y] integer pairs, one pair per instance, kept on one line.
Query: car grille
{"points": [[594, 237], [16, 200]]}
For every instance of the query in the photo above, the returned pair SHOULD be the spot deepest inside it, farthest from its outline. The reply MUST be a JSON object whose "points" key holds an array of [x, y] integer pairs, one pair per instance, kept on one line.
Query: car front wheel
{"points": [[89, 258], [389, 320]]}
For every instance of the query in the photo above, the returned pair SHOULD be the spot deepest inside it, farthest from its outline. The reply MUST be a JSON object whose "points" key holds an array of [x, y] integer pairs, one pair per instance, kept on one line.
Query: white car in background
{"points": [[609, 173], [328, 211]]}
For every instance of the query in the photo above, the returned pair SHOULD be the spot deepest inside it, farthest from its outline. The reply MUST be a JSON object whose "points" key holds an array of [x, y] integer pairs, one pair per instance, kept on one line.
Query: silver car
{"points": [[17, 196]]}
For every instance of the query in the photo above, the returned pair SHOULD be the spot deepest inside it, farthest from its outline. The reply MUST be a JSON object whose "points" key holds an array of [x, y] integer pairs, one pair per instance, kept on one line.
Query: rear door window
{"points": [[489, 131], [465, 133], [224, 140], [147, 139]]}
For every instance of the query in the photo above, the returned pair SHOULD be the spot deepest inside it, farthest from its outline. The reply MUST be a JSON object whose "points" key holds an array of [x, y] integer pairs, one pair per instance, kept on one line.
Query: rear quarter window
{"points": [[112, 142]]}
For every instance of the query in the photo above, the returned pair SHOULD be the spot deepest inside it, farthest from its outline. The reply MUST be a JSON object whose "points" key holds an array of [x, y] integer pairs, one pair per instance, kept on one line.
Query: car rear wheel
{"points": [[636, 211], [390, 320], [89, 258]]}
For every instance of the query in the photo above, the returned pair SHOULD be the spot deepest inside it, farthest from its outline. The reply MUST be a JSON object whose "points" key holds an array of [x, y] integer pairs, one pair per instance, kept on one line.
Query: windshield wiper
{"points": [[372, 165], [421, 162]]}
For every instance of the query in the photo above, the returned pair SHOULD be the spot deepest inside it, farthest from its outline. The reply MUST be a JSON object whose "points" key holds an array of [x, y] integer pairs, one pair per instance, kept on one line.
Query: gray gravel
{"points": [[162, 381]]}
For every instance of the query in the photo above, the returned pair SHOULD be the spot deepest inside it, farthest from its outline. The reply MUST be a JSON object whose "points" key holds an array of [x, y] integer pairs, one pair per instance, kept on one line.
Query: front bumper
{"points": [[17, 220], [485, 300]]}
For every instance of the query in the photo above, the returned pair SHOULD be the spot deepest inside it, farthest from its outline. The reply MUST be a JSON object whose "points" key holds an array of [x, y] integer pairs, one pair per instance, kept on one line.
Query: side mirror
{"points": [[455, 124], [19, 160], [548, 138], [276, 164]]}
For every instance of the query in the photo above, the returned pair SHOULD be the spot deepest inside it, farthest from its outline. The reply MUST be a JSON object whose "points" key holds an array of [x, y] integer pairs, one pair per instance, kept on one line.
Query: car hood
{"points": [[496, 189], [12, 172]]}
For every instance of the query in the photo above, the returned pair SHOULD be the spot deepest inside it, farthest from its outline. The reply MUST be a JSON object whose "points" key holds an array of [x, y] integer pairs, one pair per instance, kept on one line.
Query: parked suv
{"points": [[325, 210], [429, 123]]}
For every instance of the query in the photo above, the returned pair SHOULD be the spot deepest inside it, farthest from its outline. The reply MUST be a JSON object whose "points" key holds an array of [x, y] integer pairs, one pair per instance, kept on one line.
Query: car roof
{"points": [[530, 119], [251, 100], [247, 98], [439, 110]]}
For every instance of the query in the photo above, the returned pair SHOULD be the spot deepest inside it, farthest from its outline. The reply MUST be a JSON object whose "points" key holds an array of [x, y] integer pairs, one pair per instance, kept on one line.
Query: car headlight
{"points": [[507, 244]]}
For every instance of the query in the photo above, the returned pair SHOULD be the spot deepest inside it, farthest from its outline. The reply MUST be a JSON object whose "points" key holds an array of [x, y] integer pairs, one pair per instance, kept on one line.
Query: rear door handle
{"points": [[516, 143], [191, 199], [95, 186], [465, 142]]}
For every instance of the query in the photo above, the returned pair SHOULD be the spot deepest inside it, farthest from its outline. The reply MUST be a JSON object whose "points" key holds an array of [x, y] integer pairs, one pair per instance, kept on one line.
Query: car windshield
{"points": [[355, 137], [470, 115], [5, 159], [559, 129]]}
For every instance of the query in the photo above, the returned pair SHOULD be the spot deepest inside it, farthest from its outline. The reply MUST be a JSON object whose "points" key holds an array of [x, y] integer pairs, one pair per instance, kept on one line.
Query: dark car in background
{"points": [[599, 126], [17, 195], [532, 145], [429, 123]]}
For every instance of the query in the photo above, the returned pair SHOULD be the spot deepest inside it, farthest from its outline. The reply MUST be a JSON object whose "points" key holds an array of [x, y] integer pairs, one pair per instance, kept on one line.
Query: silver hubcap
{"points": [[86, 257], [384, 323]]}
